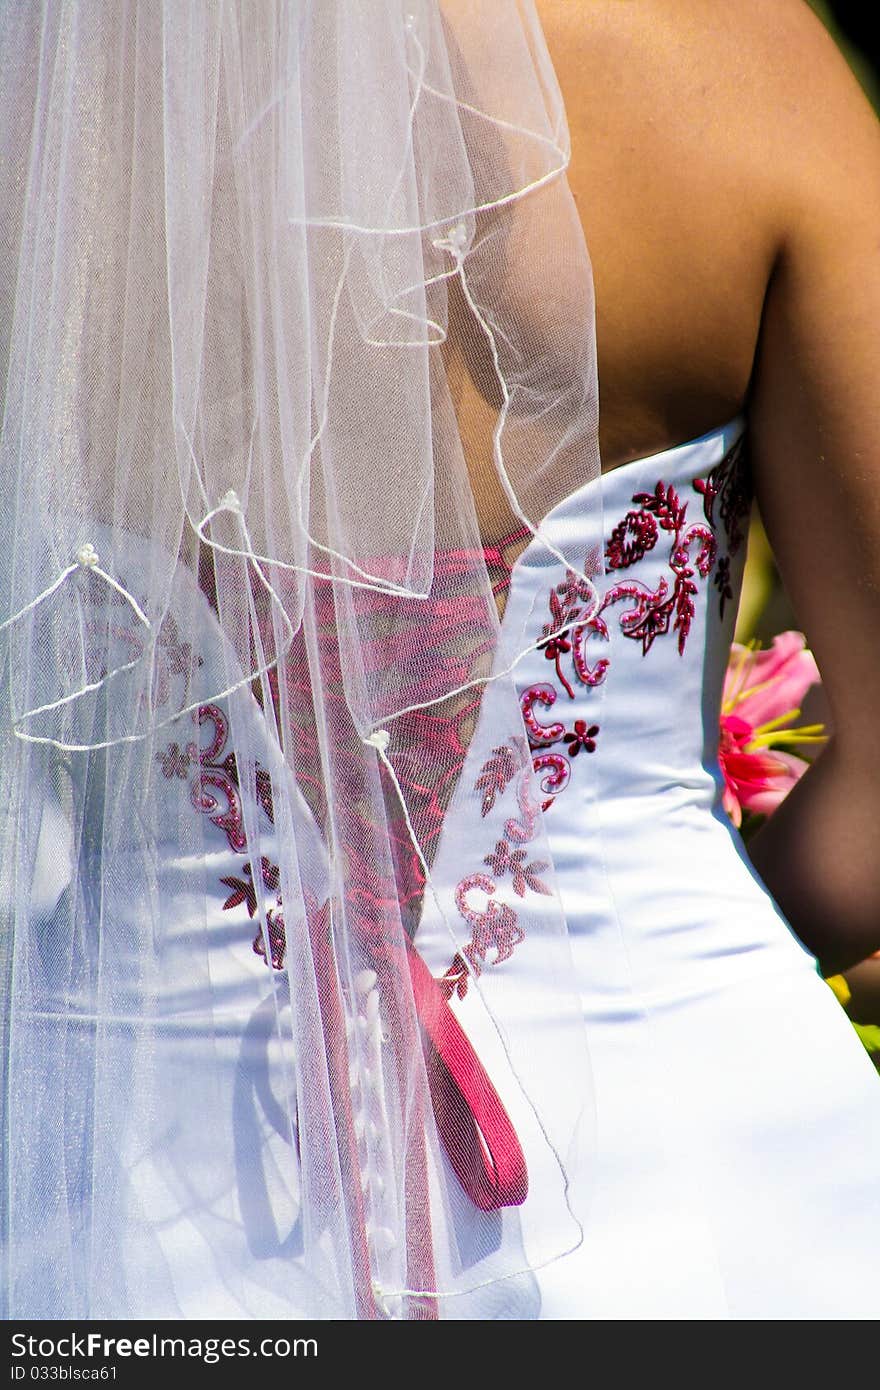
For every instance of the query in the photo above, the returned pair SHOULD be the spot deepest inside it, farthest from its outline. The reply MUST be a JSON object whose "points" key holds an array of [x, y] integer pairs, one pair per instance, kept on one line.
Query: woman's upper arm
{"points": [[813, 411], [815, 432]]}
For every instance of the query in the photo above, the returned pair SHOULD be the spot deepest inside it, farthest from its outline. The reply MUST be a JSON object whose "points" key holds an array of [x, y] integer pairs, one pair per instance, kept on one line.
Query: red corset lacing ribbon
{"points": [[476, 1132], [474, 1127]]}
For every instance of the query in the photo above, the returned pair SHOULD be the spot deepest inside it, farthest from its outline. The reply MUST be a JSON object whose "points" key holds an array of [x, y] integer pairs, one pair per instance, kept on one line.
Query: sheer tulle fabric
{"points": [[297, 344]]}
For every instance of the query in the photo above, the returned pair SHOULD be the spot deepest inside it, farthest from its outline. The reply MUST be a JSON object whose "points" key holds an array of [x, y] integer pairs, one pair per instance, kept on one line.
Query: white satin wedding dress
{"points": [[734, 1168], [738, 1116]]}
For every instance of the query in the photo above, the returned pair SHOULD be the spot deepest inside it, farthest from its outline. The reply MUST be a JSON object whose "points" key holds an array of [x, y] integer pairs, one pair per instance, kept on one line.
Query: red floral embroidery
{"points": [[244, 890], [222, 777], [654, 611], [556, 771], [211, 773], [455, 980], [650, 614], [504, 860], [631, 540], [173, 658], [645, 614], [595, 674], [175, 761], [560, 644], [569, 600], [494, 776], [722, 581], [540, 733], [581, 737], [214, 785], [277, 940], [524, 829], [497, 928], [730, 485]]}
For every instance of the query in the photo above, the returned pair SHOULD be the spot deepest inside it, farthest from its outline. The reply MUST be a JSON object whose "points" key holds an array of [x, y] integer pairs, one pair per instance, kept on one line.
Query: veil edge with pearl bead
{"points": [[297, 350]]}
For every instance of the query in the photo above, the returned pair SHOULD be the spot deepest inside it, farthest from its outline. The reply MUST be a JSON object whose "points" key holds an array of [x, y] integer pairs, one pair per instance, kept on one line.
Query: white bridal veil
{"points": [[296, 351]]}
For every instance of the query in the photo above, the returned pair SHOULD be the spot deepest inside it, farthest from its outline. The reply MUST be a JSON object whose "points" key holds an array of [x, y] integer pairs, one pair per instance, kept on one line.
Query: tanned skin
{"points": [[726, 168]]}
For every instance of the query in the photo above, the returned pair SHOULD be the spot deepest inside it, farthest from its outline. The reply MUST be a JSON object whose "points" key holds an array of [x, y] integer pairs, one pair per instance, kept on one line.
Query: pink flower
{"points": [[760, 701]]}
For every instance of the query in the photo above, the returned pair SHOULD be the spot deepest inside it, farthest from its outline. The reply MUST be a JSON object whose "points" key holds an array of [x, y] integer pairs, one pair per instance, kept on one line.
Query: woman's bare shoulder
{"points": [[776, 35], [760, 84], [707, 138]]}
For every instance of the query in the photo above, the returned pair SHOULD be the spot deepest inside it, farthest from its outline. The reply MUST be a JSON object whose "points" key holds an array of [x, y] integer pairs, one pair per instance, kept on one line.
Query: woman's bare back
{"points": [[726, 167], [699, 134]]}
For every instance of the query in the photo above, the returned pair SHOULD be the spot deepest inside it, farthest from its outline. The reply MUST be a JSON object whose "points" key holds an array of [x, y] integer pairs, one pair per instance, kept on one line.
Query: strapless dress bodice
{"points": [[623, 720], [622, 714], [725, 1074]]}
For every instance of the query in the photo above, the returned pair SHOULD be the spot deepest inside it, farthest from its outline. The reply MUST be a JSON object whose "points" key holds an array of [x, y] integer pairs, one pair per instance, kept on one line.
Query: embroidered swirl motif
{"points": [[540, 733], [644, 615], [653, 611], [211, 775], [496, 927]]}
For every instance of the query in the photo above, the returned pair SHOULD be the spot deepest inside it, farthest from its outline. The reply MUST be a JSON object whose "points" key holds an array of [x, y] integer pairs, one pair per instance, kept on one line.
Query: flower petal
{"points": [[731, 805], [738, 667], [775, 681], [764, 795]]}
